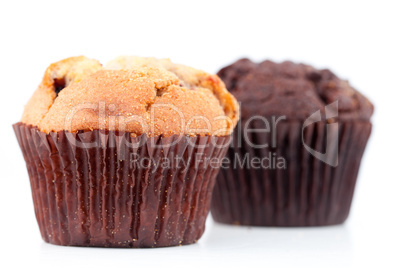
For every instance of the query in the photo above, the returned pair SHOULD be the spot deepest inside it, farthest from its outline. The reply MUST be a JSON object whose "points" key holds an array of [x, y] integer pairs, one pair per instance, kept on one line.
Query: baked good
{"points": [[307, 130], [111, 151]]}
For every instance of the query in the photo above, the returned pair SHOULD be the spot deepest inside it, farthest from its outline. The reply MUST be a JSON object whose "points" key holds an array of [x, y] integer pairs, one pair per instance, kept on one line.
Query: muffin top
{"points": [[292, 90], [131, 94]]}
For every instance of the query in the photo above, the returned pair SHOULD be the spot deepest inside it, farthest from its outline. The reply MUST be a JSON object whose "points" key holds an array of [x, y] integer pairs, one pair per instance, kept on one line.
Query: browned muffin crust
{"points": [[132, 94], [293, 90], [57, 75]]}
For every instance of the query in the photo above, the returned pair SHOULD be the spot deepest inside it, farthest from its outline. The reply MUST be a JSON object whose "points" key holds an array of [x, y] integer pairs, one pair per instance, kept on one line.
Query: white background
{"points": [[360, 41]]}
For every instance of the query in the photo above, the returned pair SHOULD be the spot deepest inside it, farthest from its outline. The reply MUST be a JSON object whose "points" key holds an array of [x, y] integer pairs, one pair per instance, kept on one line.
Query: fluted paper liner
{"points": [[99, 196], [308, 192]]}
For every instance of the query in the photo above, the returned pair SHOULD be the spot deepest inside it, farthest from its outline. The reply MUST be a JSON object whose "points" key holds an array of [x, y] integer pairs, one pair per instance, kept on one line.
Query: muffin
{"points": [[297, 148], [124, 155]]}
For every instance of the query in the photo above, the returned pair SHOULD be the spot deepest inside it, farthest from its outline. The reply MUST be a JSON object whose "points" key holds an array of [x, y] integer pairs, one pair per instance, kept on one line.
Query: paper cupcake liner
{"points": [[100, 195], [308, 192]]}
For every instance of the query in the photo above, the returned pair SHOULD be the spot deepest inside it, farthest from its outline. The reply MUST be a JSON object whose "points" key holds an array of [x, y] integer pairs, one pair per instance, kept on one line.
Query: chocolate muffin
{"points": [[297, 148], [113, 154]]}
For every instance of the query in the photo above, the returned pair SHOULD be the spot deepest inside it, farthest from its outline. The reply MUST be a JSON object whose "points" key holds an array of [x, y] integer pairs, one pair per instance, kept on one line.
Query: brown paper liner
{"points": [[96, 196], [308, 192]]}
